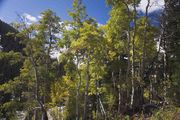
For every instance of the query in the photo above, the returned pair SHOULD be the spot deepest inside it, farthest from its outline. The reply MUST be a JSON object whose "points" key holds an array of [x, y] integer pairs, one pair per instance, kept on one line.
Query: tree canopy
{"points": [[128, 68]]}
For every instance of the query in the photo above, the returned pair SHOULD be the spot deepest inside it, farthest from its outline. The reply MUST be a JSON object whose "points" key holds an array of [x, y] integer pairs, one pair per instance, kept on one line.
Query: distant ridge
{"points": [[9, 43], [5, 28]]}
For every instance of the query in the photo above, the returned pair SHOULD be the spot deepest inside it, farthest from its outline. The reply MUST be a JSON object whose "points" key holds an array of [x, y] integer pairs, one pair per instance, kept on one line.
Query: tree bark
{"points": [[119, 93], [144, 40], [133, 56], [128, 48], [113, 80], [78, 89], [86, 89], [97, 100]]}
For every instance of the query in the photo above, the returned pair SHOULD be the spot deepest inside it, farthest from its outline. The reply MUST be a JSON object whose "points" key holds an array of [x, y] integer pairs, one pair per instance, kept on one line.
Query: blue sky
{"points": [[9, 8], [32, 8]]}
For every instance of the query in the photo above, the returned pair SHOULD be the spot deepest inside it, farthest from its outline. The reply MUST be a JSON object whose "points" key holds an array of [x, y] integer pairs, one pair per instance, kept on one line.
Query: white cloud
{"points": [[99, 24], [29, 18], [40, 16], [154, 5]]}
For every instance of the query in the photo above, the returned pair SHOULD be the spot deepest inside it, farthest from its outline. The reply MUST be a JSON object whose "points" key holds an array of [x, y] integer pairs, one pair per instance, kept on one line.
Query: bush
{"points": [[167, 113]]}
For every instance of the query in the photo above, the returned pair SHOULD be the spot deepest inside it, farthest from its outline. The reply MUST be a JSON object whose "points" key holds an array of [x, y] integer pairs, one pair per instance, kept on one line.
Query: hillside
{"points": [[9, 42]]}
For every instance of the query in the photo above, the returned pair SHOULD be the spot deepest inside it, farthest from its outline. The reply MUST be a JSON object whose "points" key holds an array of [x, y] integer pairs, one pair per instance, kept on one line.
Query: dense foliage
{"points": [[128, 68]]}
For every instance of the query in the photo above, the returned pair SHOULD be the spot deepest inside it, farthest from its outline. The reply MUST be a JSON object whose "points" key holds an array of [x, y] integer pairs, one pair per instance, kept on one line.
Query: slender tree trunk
{"points": [[86, 89], [78, 89], [77, 103], [119, 99], [144, 40], [133, 55], [102, 108], [164, 46], [37, 82], [113, 80], [35, 114], [44, 115], [119, 92], [128, 49], [44, 112], [144, 48], [165, 73], [150, 90], [97, 100]]}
